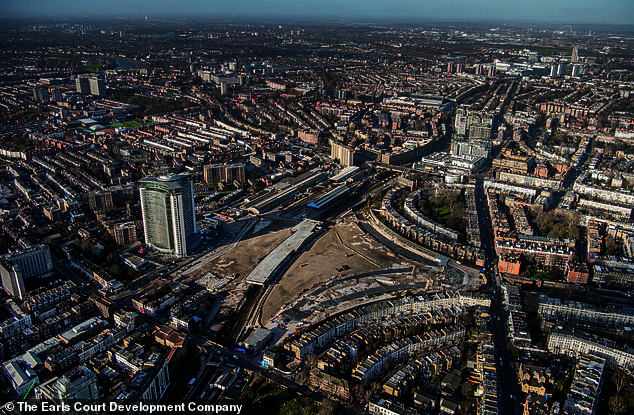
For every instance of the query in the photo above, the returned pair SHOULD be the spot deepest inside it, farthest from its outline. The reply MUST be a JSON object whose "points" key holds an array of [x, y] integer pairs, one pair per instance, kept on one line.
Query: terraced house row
{"points": [[422, 368], [557, 309], [516, 247], [487, 380], [356, 342], [427, 238], [403, 349], [473, 222], [415, 216], [319, 337], [571, 344]]}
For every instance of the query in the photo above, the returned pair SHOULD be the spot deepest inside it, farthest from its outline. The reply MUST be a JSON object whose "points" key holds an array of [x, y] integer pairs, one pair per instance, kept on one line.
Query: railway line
{"points": [[245, 312]]}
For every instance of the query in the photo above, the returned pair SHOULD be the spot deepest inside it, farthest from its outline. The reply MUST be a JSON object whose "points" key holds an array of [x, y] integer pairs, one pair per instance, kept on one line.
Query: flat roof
{"points": [[81, 327], [258, 336], [45, 345], [345, 173], [135, 260], [16, 373], [268, 265], [329, 197]]}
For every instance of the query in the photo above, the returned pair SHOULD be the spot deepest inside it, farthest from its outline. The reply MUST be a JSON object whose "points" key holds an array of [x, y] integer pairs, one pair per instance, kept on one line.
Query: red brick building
{"points": [[577, 273], [509, 264]]}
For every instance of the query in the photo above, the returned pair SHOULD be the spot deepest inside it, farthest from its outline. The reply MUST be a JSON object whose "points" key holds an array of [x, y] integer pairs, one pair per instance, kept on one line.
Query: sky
{"points": [[530, 11]]}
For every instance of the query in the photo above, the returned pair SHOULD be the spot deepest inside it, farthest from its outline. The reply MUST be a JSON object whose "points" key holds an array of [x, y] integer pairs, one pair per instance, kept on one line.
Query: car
{"points": [[235, 357]]}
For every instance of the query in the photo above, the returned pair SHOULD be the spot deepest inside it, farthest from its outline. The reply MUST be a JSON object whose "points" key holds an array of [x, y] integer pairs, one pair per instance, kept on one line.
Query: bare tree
{"points": [[327, 407], [257, 378], [357, 392], [617, 404], [620, 379], [303, 375], [311, 360]]}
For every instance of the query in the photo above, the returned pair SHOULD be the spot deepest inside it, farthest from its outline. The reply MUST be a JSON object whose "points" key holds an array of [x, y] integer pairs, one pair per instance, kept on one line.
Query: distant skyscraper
{"points": [[57, 95], [83, 85], [169, 217], [226, 173], [125, 233], [97, 86], [16, 267], [561, 68], [40, 94], [575, 54], [341, 152]]}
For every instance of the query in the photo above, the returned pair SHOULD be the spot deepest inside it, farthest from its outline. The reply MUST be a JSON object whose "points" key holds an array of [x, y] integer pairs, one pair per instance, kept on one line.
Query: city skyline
{"points": [[286, 215], [541, 11]]}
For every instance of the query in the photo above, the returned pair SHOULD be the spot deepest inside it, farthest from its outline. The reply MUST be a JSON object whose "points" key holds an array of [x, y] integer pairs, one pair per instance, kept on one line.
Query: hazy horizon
{"points": [[616, 12]]}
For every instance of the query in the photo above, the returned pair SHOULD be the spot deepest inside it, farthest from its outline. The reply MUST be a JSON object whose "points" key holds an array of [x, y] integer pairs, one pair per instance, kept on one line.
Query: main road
{"points": [[507, 382]]}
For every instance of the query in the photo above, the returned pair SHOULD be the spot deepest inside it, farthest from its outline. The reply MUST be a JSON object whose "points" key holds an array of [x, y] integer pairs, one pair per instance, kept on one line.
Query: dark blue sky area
{"points": [[546, 11]]}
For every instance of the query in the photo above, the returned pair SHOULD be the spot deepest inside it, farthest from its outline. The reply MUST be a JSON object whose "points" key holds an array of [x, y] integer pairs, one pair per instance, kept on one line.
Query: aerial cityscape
{"points": [[323, 215]]}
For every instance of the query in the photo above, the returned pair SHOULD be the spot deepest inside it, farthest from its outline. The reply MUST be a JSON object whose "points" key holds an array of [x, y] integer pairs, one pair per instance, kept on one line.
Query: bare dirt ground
{"points": [[256, 245], [323, 259]]}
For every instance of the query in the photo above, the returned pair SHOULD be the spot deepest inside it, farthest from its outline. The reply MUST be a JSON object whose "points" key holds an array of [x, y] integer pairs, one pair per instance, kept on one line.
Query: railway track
{"points": [[245, 312]]}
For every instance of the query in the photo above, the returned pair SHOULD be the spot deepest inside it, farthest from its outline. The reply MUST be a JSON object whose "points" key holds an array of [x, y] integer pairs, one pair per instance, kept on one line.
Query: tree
{"points": [[620, 379], [311, 360], [369, 169], [357, 391], [85, 245], [617, 404], [531, 304], [117, 271], [377, 198], [611, 247], [327, 407], [42, 230], [257, 378], [114, 258], [303, 375]]}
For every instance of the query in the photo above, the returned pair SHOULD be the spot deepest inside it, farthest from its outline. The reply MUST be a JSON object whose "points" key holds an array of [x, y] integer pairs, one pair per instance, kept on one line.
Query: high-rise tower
{"points": [[97, 86], [83, 85], [226, 173], [341, 152], [575, 54], [169, 217], [15, 267]]}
